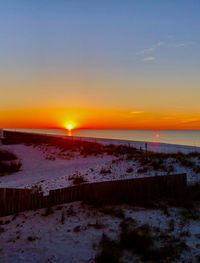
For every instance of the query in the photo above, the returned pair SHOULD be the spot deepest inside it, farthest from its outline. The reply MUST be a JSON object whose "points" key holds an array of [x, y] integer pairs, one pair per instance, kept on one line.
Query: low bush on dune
{"points": [[77, 179], [138, 239], [32, 238], [105, 171], [141, 241], [7, 156], [154, 161], [186, 162], [129, 170], [194, 154], [110, 252], [189, 214], [116, 212], [86, 148], [196, 169], [9, 167], [188, 199], [92, 149], [142, 170], [119, 150], [8, 163]]}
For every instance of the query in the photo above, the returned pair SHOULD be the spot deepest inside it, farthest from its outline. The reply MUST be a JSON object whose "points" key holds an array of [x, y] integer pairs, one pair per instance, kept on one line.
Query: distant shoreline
{"points": [[151, 146]]}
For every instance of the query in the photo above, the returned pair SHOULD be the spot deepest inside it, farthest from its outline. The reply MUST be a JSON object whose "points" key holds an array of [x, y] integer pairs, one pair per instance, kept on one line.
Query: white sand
{"points": [[57, 242], [47, 167]]}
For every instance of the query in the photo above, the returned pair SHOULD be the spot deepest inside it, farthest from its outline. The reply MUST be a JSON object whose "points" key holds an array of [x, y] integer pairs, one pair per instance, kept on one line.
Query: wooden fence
{"points": [[129, 190]]}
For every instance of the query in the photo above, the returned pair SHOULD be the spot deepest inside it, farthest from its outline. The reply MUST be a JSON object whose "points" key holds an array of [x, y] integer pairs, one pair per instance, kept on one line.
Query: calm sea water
{"points": [[183, 137]]}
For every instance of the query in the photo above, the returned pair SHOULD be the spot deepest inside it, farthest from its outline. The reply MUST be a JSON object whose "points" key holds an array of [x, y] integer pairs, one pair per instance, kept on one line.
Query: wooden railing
{"points": [[129, 190]]}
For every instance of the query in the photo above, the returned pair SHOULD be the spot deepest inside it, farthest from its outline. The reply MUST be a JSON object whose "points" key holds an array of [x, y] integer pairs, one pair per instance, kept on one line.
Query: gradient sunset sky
{"points": [[100, 64]]}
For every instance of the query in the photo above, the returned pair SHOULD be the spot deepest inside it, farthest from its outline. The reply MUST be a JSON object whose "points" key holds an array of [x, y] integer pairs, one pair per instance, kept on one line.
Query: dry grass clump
{"points": [[70, 211], [8, 163], [7, 156], [77, 179], [189, 214], [105, 171], [120, 150], [77, 229], [9, 167], [110, 252], [196, 169], [113, 211], [97, 225], [31, 238], [129, 170], [140, 241]]}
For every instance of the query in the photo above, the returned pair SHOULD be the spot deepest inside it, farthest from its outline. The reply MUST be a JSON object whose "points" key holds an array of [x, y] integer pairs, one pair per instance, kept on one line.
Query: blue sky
{"points": [[97, 48]]}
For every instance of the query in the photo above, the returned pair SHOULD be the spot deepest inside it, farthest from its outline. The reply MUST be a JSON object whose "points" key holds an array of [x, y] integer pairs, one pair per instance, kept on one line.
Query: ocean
{"points": [[180, 137]]}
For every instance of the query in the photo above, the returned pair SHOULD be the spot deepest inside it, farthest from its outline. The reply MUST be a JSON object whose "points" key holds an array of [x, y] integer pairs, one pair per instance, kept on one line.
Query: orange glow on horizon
{"points": [[87, 118]]}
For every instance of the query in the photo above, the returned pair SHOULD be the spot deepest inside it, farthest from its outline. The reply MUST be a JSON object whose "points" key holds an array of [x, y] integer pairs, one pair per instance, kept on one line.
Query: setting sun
{"points": [[69, 126]]}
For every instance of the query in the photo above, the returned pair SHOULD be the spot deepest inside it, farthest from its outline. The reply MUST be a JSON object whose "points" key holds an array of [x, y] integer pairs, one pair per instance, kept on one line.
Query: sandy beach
{"points": [[59, 233], [48, 167]]}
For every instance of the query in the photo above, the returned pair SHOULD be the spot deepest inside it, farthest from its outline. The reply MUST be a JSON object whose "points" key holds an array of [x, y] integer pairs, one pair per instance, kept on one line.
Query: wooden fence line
{"points": [[129, 190]]}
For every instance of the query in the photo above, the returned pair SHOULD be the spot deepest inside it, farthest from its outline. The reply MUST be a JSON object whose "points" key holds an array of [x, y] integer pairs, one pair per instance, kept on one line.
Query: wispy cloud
{"points": [[146, 51], [148, 59], [152, 48], [133, 114], [150, 54], [192, 120], [136, 112], [183, 44], [160, 43]]}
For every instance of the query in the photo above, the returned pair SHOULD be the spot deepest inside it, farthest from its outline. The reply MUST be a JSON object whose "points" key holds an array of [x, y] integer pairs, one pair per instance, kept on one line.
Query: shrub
{"points": [[119, 150], [105, 171], [170, 169], [139, 241], [184, 161], [142, 170], [167, 253], [70, 211], [117, 212], [97, 225], [185, 234], [31, 239], [77, 229], [7, 156], [190, 214], [136, 239], [157, 164], [9, 167], [109, 251], [196, 169], [91, 149], [77, 179], [129, 170], [165, 210], [7, 222]]}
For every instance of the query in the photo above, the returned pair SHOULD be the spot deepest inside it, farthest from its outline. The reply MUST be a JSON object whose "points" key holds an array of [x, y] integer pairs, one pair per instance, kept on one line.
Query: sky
{"points": [[100, 64]]}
